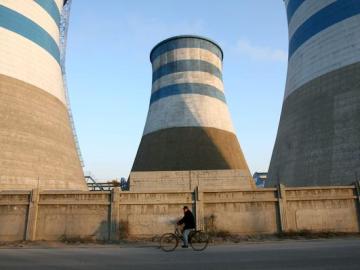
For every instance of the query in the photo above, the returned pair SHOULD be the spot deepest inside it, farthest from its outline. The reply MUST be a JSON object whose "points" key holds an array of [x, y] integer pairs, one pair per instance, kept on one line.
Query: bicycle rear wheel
{"points": [[198, 240], [168, 242]]}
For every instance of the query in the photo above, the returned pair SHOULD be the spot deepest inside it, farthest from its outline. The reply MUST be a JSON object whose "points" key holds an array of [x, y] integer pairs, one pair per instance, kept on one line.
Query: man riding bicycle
{"points": [[189, 224]]}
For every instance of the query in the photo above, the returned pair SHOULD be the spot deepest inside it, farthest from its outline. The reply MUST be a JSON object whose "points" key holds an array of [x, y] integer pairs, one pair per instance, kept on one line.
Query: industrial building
{"points": [[188, 127], [318, 140], [260, 179], [38, 148]]}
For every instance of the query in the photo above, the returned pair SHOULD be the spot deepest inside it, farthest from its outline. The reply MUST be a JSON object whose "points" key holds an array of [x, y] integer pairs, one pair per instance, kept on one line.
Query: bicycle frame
{"points": [[178, 233]]}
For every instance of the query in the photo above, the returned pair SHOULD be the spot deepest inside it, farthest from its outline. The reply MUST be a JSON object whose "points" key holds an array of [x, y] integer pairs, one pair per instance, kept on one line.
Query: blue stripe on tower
{"points": [[17, 23], [186, 65], [327, 17], [292, 6], [187, 88], [51, 7], [185, 42]]}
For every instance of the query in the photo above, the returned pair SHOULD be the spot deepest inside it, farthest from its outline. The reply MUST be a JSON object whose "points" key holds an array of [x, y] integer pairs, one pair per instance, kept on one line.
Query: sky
{"points": [[109, 72]]}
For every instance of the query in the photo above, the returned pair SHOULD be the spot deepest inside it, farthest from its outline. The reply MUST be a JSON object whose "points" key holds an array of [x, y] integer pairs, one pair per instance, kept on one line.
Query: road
{"points": [[311, 254]]}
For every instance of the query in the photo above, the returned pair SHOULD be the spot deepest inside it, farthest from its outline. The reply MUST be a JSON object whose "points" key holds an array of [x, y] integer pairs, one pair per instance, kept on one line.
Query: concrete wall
{"points": [[188, 180], [116, 215], [241, 212]]}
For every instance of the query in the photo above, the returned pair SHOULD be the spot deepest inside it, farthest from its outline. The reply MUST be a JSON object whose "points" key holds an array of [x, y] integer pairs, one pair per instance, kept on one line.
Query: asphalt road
{"points": [[314, 254]]}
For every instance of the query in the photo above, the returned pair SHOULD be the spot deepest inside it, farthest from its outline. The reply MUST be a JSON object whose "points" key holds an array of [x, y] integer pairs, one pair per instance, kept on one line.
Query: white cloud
{"points": [[261, 53]]}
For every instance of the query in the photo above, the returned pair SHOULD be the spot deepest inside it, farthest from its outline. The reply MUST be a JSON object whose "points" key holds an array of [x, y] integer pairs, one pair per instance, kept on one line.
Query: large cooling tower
{"points": [[188, 126], [37, 146], [318, 141]]}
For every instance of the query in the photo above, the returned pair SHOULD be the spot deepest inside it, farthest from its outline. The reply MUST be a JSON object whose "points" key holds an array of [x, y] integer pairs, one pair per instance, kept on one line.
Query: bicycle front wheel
{"points": [[168, 242], [198, 240]]}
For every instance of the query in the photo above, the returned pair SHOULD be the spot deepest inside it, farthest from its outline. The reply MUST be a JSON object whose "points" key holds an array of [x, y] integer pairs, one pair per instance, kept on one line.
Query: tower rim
{"points": [[187, 36]]}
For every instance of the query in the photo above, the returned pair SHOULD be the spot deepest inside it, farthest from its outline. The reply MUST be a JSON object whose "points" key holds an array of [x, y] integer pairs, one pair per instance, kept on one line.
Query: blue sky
{"points": [[109, 73]]}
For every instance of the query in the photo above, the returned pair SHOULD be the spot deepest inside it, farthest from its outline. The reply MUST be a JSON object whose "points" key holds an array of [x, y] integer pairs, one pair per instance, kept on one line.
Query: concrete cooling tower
{"points": [[188, 126], [318, 140], [37, 145]]}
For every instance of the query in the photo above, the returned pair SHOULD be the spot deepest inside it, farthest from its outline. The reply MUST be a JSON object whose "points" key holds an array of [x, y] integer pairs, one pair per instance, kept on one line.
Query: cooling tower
{"points": [[37, 146], [318, 140], [188, 126]]}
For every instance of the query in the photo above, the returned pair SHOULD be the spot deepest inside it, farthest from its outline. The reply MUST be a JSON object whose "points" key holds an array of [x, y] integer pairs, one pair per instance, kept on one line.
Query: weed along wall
{"points": [[115, 215]]}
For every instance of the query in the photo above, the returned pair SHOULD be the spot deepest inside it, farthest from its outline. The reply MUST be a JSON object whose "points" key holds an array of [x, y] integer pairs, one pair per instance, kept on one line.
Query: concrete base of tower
{"points": [[189, 148], [181, 181], [37, 148], [318, 141]]}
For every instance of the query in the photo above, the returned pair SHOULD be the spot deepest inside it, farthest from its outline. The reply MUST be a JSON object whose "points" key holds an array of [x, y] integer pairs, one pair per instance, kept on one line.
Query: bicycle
{"points": [[198, 240]]}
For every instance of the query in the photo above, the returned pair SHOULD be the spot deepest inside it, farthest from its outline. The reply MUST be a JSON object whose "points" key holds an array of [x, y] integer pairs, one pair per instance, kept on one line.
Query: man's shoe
{"points": [[183, 246]]}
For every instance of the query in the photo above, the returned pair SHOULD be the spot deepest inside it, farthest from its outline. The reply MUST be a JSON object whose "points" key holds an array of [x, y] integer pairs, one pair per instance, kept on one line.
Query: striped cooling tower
{"points": [[188, 125], [318, 141], [37, 146]]}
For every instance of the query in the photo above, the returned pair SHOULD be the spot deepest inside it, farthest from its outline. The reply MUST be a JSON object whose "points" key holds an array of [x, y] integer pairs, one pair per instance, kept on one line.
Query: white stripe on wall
{"points": [[187, 54], [188, 77], [36, 13], [331, 49], [188, 110], [305, 11], [24, 60]]}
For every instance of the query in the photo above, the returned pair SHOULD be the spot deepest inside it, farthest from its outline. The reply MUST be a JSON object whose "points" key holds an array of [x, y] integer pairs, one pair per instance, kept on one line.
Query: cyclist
{"points": [[189, 225]]}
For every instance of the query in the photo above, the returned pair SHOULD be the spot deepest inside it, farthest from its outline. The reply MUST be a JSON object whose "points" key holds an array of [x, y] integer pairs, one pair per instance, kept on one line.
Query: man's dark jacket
{"points": [[188, 220]]}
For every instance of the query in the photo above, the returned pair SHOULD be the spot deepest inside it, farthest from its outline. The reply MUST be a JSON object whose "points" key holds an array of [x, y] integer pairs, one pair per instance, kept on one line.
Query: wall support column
{"points": [[282, 205], [357, 192], [114, 229], [199, 209], [32, 215]]}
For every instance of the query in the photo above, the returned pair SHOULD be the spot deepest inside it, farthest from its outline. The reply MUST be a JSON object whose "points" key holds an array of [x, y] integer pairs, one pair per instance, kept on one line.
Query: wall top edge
{"points": [[14, 192], [46, 192], [237, 190], [320, 187], [62, 192]]}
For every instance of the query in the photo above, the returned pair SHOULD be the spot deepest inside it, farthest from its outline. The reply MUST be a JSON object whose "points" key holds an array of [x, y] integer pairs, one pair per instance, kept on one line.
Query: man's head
{"points": [[185, 208]]}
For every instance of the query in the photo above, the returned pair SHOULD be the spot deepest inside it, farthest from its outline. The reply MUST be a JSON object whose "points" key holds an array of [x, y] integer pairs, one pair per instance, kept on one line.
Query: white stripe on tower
{"points": [[188, 110], [25, 60], [331, 49], [187, 54], [305, 11], [60, 4], [36, 13], [188, 77]]}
